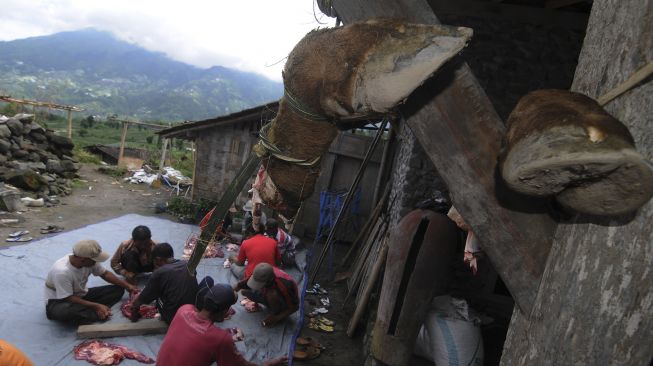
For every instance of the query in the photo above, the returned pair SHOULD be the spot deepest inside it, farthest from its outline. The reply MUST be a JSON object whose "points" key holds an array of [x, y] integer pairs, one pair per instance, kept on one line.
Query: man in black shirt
{"points": [[171, 285]]}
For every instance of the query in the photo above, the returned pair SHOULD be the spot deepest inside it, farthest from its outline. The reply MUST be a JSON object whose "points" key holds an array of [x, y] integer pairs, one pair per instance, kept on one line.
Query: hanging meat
{"points": [[337, 75]]}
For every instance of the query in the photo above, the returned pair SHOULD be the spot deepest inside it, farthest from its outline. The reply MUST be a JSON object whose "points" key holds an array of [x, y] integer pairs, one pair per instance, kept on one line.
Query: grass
{"points": [[84, 156]]}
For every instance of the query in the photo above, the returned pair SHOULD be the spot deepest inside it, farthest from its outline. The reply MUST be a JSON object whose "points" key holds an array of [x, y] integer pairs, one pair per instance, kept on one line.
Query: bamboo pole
{"points": [[163, 154], [192, 187], [122, 142], [367, 292]]}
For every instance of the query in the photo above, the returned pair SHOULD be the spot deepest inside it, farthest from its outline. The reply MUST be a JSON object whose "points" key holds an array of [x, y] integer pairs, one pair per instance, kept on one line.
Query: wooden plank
{"points": [[105, 330], [123, 137], [70, 124], [464, 150]]}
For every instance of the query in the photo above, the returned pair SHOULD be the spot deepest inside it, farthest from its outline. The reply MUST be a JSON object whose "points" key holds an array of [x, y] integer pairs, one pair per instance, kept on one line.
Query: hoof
{"points": [[564, 144]]}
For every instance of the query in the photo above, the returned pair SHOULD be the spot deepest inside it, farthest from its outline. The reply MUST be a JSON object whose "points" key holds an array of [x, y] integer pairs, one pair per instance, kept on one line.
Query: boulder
{"points": [[19, 154], [4, 146], [54, 166], [68, 166], [15, 126], [3, 159], [25, 179], [35, 128], [5, 132], [35, 157], [37, 136], [24, 117], [61, 141], [36, 166]]}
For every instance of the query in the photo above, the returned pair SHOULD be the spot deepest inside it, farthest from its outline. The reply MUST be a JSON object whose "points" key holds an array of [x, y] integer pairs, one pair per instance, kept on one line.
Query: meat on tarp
{"points": [[102, 353]]}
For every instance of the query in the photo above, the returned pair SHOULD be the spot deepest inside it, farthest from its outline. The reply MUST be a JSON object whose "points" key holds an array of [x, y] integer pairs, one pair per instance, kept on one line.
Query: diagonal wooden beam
{"points": [[461, 133]]}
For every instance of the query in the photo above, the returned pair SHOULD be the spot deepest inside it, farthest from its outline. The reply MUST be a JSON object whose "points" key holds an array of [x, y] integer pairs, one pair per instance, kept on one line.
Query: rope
{"points": [[633, 80], [300, 108], [265, 146]]}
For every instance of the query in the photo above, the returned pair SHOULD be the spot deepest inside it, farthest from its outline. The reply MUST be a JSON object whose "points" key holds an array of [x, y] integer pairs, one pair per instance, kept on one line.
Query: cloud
{"points": [[250, 35]]}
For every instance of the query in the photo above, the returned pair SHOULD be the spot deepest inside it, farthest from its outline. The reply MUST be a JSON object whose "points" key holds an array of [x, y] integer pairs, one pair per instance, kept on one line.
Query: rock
{"points": [[4, 146], [17, 139], [19, 154], [36, 128], [35, 157], [36, 166], [68, 166], [3, 159], [61, 141], [54, 166], [5, 132], [66, 157], [15, 126], [36, 136], [49, 178], [24, 117], [25, 179]]}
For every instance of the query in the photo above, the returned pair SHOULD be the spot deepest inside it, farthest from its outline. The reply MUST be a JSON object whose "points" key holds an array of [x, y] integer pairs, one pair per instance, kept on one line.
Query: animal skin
{"points": [[345, 73]]}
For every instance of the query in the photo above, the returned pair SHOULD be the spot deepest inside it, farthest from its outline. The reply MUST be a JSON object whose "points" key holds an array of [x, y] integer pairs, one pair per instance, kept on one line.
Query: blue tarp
{"points": [[22, 308]]}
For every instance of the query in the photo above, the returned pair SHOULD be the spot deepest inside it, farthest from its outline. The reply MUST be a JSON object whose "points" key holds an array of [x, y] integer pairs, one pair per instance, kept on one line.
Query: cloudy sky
{"points": [[249, 35]]}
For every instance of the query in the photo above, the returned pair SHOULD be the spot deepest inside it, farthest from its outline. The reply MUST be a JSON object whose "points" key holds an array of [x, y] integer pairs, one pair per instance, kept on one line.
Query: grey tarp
{"points": [[22, 307]]}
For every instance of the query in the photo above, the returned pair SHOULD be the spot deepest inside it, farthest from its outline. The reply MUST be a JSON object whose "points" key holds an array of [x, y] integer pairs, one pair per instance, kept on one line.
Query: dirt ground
{"points": [[96, 197]]}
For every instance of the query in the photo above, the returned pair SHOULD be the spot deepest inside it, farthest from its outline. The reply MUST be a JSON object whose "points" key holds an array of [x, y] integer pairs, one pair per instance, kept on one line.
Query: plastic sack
{"points": [[451, 334]]}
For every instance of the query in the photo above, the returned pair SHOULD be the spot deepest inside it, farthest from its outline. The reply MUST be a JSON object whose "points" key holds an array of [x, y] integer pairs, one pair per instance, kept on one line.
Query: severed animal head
{"points": [[367, 67]]}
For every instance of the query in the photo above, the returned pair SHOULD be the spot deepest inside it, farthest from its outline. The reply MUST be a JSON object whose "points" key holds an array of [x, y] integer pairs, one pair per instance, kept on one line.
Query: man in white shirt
{"points": [[67, 297]]}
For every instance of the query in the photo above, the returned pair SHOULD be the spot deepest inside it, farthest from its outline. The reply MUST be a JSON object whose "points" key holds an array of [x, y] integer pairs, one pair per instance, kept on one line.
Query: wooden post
{"points": [[192, 188], [464, 150], [125, 125], [163, 154], [367, 291], [70, 124]]}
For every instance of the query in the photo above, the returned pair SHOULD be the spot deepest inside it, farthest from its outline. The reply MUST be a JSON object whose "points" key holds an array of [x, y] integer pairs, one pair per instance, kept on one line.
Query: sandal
{"points": [[325, 321], [308, 353], [18, 233], [309, 341], [316, 325], [20, 239], [51, 229]]}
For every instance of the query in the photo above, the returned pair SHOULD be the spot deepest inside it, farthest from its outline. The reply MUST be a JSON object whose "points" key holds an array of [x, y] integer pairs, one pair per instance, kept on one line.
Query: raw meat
{"points": [[101, 353], [236, 334], [230, 313], [250, 306], [146, 311], [213, 250]]}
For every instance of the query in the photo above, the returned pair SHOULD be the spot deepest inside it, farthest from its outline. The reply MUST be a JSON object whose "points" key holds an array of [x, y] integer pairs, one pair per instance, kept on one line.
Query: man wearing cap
{"points": [[67, 297], [193, 339], [273, 288]]}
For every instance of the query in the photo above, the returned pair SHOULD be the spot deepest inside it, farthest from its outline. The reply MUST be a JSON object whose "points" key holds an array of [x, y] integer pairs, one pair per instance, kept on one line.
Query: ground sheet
{"points": [[23, 269]]}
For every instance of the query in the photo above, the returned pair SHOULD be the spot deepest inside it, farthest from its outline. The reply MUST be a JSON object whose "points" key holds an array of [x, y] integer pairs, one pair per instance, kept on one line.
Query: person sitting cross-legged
{"points": [[171, 284], [193, 339], [273, 288], [257, 249], [134, 256], [67, 297]]}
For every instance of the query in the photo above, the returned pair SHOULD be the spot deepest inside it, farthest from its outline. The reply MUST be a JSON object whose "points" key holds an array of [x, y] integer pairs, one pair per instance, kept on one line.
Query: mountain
{"points": [[104, 75]]}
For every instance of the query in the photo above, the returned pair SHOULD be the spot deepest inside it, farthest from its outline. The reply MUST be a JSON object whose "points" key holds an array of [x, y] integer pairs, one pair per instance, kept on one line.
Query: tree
{"points": [[149, 139]]}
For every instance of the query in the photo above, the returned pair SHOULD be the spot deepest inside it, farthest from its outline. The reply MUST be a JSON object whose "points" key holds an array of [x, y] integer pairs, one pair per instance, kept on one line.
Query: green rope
{"points": [[270, 148], [305, 112]]}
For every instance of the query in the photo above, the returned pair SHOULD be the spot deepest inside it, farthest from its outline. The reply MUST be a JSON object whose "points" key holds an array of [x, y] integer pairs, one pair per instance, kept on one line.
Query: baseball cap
{"points": [[263, 273], [90, 249], [221, 295]]}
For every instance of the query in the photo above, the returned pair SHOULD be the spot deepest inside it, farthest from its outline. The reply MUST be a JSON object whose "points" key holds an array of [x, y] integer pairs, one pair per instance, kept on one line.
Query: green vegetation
{"points": [[113, 171], [84, 156], [183, 207]]}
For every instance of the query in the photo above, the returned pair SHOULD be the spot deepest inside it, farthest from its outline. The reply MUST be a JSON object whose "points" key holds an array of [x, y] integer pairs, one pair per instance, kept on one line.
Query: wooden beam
{"points": [[106, 330], [9, 99], [464, 150], [144, 124], [163, 153], [508, 12]]}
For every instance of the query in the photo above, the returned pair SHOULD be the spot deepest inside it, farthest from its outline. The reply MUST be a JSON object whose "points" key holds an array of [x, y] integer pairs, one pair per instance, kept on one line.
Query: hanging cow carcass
{"points": [[343, 74]]}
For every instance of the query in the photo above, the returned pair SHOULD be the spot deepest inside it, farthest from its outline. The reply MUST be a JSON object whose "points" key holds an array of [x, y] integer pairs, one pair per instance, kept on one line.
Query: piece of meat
{"points": [[146, 311], [236, 334], [250, 306], [101, 353], [230, 313]]}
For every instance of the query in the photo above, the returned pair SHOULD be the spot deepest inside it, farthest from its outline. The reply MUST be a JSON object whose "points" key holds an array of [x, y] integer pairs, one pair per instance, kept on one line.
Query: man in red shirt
{"points": [[257, 249], [192, 339], [273, 288]]}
